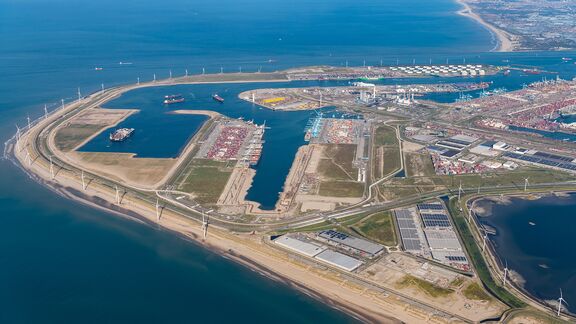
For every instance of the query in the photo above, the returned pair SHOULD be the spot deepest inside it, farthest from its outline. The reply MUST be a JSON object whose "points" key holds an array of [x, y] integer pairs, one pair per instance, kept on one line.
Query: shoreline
{"points": [[496, 258], [372, 302], [503, 38], [219, 247], [324, 284]]}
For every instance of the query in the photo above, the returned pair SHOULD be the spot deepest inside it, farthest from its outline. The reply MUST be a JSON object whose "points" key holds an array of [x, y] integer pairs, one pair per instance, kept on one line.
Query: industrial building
{"points": [[339, 260], [300, 245], [350, 243], [428, 232]]}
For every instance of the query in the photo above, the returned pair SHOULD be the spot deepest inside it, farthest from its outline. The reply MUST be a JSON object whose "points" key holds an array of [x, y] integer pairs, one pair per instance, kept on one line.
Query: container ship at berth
{"points": [[172, 99], [121, 134], [217, 98], [254, 148]]}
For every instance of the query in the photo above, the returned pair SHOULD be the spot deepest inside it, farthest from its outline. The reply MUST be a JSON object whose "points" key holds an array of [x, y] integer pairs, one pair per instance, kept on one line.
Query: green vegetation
{"points": [[341, 189], [69, 137], [206, 180], [386, 153], [379, 227], [425, 286], [478, 260], [474, 291], [385, 135], [391, 160]]}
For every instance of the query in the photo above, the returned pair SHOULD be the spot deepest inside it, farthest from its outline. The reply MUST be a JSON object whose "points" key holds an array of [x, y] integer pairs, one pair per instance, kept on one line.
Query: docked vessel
{"points": [[531, 71], [172, 99], [121, 134], [217, 98]]}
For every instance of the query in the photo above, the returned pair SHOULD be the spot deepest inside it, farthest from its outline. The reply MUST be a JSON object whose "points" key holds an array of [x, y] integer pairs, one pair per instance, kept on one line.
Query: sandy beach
{"points": [[505, 42]]}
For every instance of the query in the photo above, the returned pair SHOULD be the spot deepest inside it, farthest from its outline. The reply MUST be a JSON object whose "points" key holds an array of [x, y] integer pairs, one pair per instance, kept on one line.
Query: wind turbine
{"points": [[51, 167], [28, 119], [45, 111], [460, 191], [157, 210], [204, 225], [186, 72], [79, 95], [484, 238], [525, 184], [560, 301], [505, 274]]}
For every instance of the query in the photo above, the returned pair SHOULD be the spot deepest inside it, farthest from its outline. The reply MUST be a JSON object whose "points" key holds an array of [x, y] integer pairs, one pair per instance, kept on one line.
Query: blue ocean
{"points": [[61, 262]]}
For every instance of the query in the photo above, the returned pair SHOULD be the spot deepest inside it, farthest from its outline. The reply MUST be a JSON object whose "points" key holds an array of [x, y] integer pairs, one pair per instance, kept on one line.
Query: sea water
{"points": [[63, 262]]}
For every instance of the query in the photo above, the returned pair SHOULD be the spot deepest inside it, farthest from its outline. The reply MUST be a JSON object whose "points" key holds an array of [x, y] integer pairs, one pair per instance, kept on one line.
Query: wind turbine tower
{"points": [[525, 184], [560, 301], [28, 119], [83, 181], [505, 275], [51, 167], [157, 210], [460, 191], [117, 195], [484, 238], [79, 95], [45, 111], [204, 225]]}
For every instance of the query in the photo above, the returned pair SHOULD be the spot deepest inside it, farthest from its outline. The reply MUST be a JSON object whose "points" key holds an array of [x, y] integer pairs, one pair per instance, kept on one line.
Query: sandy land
{"points": [[210, 113], [505, 43]]}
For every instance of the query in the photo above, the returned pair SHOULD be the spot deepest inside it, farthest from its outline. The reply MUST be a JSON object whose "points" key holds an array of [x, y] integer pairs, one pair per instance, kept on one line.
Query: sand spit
{"points": [[505, 43]]}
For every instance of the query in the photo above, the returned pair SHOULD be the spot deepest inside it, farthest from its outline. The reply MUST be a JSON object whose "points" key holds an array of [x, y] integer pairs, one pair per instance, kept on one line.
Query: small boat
{"points": [[217, 98], [531, 223], [125, 63], [98, 69], [566, 59], [507, 72]]}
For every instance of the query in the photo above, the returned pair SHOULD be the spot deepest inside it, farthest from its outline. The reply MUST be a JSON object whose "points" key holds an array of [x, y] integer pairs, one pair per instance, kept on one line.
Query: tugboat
{"points": [[121, 134], [172, 99], [217, 98]]}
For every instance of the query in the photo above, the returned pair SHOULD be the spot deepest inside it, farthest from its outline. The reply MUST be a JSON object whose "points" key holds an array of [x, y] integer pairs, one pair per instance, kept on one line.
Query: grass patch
{"points": [[328, 169], [425, 286], [341, 189], [379, 227], [69, 137], [206, 180], [385, 135], [391, 160], [475, 292]]}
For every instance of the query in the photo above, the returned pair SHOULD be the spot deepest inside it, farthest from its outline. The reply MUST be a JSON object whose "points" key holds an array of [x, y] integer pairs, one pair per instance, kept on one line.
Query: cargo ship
{"points": [[531, 71], [217, 98], [121, 134], [172, 99]]}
